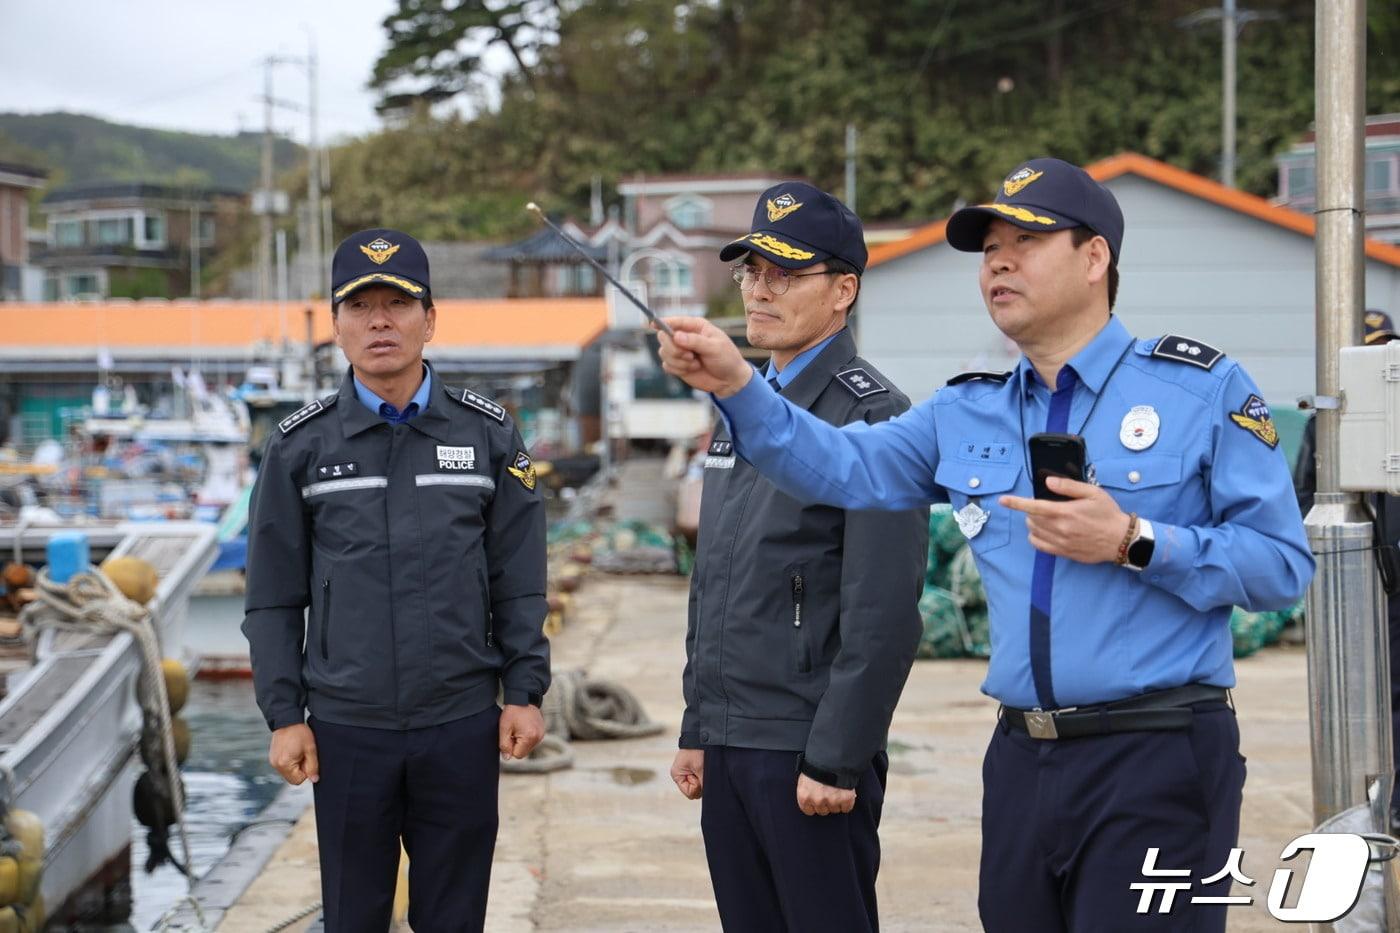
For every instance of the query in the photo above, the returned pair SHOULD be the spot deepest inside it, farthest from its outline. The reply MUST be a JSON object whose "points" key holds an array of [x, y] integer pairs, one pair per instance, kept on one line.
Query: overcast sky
{"points": [[190, 65]]}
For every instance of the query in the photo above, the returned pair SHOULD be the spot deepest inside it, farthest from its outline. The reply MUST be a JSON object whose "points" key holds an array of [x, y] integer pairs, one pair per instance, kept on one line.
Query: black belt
{"points": [[1162, 711]]}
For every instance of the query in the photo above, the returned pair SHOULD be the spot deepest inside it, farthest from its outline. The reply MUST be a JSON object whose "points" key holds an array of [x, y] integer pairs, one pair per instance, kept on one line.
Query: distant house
{"points": [[1297, 177], [132, 240], [678, 224], [543, 265], [665, 247], [16, 181], [1199, 259]]}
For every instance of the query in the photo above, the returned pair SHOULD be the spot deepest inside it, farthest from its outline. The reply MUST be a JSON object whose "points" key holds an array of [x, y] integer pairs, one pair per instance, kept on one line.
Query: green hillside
{"points": [[77, 149]]}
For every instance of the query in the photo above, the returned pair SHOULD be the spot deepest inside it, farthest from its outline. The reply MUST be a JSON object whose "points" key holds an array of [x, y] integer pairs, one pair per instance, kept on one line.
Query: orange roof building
{"points": [[1198, 259], [535, 331]]}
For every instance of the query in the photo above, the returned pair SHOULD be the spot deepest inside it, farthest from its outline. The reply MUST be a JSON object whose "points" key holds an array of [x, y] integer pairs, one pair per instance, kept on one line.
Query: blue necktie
{"points": [[392, 415], [1043, 576]]}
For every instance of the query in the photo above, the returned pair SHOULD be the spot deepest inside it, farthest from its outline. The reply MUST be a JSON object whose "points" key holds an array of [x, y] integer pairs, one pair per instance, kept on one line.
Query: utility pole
{"points": [[1229, 32], [327, 216], [194, 248], [1348, 663], [283, 287], [851, 166], [316, 247], [268, 202], [1232, 22], [265, 207]]}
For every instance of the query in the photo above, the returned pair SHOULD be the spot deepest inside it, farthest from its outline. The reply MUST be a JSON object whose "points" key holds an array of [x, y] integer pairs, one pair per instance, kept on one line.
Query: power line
{"points": [[188, 89]]}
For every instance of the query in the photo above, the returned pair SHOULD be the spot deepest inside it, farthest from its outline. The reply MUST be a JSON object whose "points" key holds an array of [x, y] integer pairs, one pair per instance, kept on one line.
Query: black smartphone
{"points": [[1056, 455]]}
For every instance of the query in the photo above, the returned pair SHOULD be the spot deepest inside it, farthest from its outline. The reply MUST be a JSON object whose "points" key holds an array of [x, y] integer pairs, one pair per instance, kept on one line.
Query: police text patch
{"points": [[1254, 417], [1187, 350], [523, 470], [860, 383], [337, 470], [456, 458]]}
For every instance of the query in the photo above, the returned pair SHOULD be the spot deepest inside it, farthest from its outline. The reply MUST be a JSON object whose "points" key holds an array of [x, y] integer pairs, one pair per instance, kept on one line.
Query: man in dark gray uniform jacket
{"points": [[404, 514], [803, 620]]}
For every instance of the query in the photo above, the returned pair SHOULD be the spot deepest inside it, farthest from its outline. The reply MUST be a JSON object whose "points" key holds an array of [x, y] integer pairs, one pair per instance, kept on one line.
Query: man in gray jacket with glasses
{"points": [[803, 620]]}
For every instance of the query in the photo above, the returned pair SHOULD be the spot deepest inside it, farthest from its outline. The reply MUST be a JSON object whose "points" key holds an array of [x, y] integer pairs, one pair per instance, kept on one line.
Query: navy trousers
{"points": [[774, 868], [434, 788], [1066, 825]]}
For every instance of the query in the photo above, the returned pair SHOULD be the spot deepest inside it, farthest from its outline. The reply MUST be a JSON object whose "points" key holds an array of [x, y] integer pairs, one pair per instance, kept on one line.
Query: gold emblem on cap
{"points": [[379, 250], [1373, 319], [781, 206], [1018, 180], [1020, 213], [777, 246]]}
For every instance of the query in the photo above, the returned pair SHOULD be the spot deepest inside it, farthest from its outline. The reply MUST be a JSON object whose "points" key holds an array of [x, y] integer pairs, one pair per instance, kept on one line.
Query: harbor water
{"points": [[227, 778]]}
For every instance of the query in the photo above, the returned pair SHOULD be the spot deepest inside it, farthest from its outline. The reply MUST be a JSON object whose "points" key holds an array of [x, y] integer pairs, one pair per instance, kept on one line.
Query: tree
{"points": [[438, 47], [946, 95]]}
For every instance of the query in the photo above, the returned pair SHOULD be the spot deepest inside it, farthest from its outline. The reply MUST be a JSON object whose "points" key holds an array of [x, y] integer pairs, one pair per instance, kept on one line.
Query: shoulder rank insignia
{"points": [[481, 403], [1186, 350], [1254, 417], [305, 413], [960, 378], [523, 470], [860, 383]]}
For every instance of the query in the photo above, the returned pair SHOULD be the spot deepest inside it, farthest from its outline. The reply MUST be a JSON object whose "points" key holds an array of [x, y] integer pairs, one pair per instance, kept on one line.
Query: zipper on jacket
{"points": [[486, 609], [804, 661], [325, 619]]}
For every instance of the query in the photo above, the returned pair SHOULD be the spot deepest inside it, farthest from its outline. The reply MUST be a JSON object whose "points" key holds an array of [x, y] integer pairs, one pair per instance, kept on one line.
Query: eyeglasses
{"points": [[776, 278]]}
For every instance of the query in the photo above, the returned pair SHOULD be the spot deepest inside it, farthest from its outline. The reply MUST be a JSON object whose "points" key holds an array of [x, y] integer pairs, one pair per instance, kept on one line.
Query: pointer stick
{"points": [[534, 208]]}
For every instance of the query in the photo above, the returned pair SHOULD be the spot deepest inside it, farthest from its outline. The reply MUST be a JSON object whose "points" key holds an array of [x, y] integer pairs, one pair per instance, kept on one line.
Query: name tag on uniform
{"points": [[337, 470], [720, 456], [456, 458]]}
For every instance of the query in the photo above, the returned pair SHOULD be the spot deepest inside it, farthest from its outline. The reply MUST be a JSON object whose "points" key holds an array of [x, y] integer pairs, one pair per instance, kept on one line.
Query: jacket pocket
{"points": [[973, 490], [325, 619], [1146, 483], [801, 646]]}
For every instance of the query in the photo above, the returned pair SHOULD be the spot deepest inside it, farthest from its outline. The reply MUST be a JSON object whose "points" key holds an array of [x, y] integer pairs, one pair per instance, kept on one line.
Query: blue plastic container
{"points": [[68, 555]]}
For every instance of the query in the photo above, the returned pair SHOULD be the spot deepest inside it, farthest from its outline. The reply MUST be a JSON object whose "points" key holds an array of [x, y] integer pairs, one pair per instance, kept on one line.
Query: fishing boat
{"points": [[70, 720]]}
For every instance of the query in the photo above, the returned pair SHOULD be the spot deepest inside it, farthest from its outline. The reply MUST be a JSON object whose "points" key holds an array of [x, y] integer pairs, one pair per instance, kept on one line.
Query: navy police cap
{"points": [[1042, 194], [796, 225], [379, 257], [1379, 327]]}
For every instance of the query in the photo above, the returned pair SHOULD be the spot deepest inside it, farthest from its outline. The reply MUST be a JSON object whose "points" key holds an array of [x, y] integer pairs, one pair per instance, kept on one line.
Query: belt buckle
{"points": [[1041, 725]]}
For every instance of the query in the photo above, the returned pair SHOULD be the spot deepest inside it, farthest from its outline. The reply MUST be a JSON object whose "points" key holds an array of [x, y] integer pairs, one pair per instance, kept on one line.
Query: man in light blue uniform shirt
{"points": [[1111, 646]]}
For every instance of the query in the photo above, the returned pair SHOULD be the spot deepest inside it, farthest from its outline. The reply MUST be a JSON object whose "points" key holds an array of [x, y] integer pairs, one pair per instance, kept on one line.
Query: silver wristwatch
{"points": [[1141, 548]]}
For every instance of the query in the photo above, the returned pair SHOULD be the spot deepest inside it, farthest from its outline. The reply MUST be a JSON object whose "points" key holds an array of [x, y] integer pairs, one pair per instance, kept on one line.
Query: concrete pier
{"points": [[610, 845]]}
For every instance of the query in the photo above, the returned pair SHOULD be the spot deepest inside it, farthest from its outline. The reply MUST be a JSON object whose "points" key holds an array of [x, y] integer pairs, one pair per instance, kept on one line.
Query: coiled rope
{"points": [[90, 602], [577, 708]]}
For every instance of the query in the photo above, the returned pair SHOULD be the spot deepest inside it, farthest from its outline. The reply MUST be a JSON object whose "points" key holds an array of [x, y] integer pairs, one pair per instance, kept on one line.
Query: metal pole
{"points": [[313, 177], [308, 385], [327, 218], [1229, 33], [1348, 657], [195, 271], [851, 166], [283, 285], [265, 260]]}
